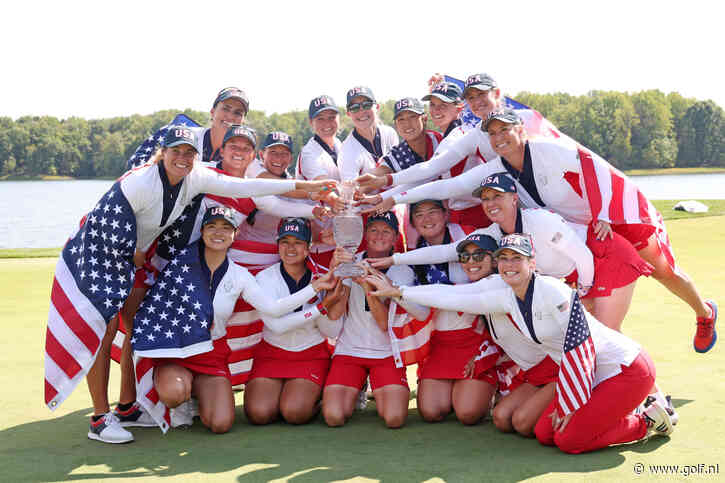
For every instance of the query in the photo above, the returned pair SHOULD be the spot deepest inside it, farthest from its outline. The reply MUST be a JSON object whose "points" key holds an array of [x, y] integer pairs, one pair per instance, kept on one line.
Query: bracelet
{"points": [[321, 308]]}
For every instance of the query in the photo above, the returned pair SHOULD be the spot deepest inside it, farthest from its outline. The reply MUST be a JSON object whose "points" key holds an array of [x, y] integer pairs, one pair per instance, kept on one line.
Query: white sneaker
{"points": [[362, 398], [194, 407], [136, 416], [108, 430], [181, 415], [658, 419], [671, 410]]}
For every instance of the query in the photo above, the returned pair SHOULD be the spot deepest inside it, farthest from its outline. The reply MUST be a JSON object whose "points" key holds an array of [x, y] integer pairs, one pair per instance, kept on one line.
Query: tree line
{"points": [[647, 129]]}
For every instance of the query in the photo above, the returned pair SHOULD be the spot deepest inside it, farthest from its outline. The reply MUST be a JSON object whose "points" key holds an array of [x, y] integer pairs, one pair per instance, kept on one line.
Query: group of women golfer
{"points": [[500, 256]]}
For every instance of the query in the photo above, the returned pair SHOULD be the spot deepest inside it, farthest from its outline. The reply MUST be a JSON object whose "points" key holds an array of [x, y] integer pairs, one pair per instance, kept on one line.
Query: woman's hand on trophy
{"points": [[368, 183], [386, 205]]}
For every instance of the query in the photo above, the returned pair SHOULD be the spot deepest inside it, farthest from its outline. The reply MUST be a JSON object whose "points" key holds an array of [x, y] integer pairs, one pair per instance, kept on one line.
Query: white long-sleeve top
{"points": [[295, 331], [146, 191], [560, 246], [361, 336], [271, 210], [314, 161], [549, 306], [238, 282], [355, 160]]}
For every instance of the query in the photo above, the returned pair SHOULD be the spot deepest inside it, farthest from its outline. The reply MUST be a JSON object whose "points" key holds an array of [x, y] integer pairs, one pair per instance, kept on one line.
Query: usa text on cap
{"points": [[320, 104], [238, 130], [446, 92], [276, 138], [177, 135], [360, 91], [480, 240], [408, 104], [388, 217], [506, 115], [518, 242], [232, 93], [498, 181], [297, 227], [220, 212], [482, 82]]}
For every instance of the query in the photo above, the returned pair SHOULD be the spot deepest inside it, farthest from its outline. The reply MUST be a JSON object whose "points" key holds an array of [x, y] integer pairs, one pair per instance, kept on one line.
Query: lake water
{"points": [[41, 214]]}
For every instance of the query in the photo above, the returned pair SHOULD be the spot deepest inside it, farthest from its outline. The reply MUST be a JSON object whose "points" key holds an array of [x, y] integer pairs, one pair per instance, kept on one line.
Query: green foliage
{"points": [[644, 130]]}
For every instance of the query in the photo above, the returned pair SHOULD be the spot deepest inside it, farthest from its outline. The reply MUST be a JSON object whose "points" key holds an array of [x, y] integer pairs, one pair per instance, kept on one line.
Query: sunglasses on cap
{"points": [[477, 256], [360, 106]]}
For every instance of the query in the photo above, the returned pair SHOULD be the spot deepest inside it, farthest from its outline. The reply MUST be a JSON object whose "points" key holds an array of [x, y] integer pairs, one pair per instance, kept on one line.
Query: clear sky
{"points": [[101, 59]]}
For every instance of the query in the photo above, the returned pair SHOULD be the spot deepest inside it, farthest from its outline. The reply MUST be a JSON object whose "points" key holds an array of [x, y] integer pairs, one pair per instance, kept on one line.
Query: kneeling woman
{"points": [[206, 284], [593, 406], [291, 363]]}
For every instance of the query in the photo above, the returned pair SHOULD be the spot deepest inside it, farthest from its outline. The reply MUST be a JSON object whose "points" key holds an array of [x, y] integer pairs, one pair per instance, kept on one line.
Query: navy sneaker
{"points": [[135, 416]]}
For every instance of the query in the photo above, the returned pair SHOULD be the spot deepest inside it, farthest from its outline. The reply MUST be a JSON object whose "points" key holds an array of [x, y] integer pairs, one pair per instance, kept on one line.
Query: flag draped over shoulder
{"points": [[92, 279], [578, 362], [147, 148]]}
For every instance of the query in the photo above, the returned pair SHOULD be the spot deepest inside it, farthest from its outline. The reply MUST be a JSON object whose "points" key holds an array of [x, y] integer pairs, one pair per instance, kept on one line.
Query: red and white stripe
{"points": [[409, 337], [576, 377], [72, 339]]}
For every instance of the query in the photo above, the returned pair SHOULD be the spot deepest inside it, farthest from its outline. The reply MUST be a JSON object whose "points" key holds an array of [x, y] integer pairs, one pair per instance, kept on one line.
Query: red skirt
{"points": [[541, 374], [616, 264], [450, 352], [275, 363], [212, 363]]}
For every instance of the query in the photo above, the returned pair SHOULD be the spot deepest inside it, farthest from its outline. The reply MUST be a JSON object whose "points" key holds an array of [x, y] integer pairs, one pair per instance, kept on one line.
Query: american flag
{"points": [[176, 315], [93, 277], [402, 156], [148, 147], [578, 362]]}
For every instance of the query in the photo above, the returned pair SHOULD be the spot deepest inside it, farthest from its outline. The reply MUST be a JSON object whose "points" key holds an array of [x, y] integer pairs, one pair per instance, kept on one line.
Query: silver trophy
{"points": [[348, 231]]}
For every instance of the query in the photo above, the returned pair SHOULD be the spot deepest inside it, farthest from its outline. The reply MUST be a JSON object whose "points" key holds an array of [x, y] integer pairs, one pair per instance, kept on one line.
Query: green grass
{"points": [[30, 253], [37, 445]]}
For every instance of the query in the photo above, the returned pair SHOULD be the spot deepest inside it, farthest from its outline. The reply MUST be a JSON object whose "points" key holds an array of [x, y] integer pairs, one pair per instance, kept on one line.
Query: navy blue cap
{"points": [[177, 135], [482, 82], [498, 181], [480, 240], [359, 91], [232, 93], [220, 212], [321, 103], [299, 228], [507, 115], [518, 242], [408, 104], [446, 92], [414, 206], [277, 138], [238, 130], [388, 217]]}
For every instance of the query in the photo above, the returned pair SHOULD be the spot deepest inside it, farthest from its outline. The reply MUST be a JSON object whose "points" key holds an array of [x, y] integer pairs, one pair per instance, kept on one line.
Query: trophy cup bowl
{"points": [[348, 231]]}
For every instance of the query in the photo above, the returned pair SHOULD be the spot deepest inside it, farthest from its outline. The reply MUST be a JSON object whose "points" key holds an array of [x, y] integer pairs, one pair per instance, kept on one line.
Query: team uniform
{"points": [[623, 373], [228, 283], [362, 348], [360, 156], [293, 346]]}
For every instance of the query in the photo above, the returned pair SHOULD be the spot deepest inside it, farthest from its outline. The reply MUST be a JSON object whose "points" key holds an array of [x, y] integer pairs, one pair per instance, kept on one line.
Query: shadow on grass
{"points": [[58, 449]]}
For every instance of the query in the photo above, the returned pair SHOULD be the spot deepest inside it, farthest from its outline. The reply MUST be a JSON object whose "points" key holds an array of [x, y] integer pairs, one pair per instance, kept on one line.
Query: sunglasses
{"points": [[477, 256], [360, 106]]}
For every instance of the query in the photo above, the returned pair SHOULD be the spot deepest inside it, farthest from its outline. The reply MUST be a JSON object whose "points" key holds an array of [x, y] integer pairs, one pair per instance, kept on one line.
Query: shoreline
{"points": [[629, 172]]}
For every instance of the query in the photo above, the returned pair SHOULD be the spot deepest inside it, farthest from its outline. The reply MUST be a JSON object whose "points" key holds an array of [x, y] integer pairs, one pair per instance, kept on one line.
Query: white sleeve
{"points": [[489, 296], [461, 185], [216, 183], [425, 255], [566, 242], [282, 208], [440, 162], [310, 166], [402, 276], [329, 328], [256, 296], [396, 190], [293, 320]]}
